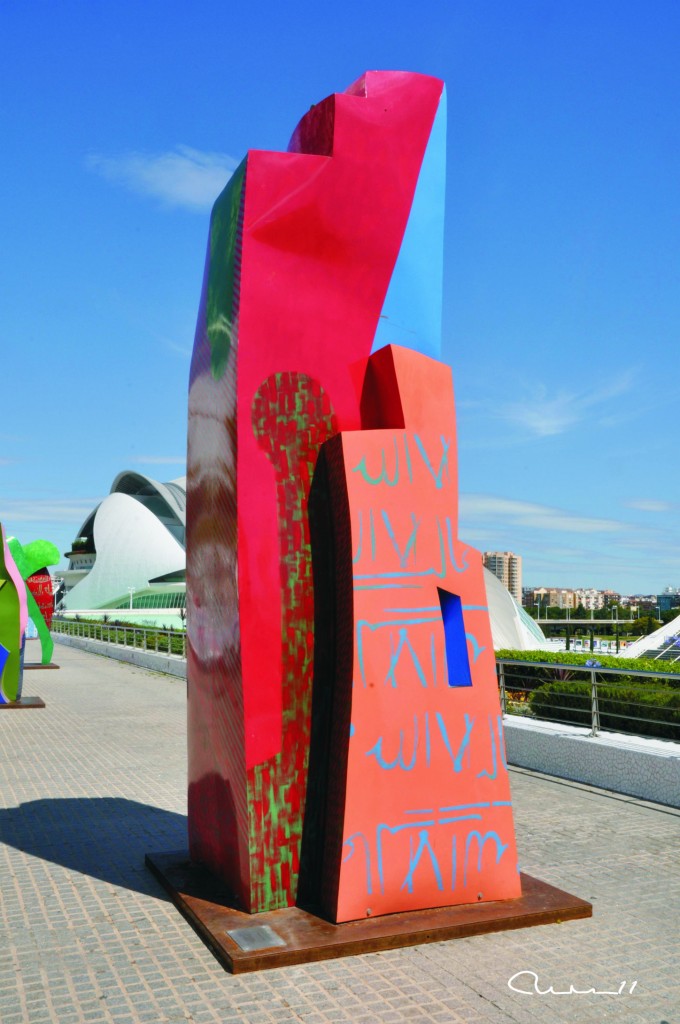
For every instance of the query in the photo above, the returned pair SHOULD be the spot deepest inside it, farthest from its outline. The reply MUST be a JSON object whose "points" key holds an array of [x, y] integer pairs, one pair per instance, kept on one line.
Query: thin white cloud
{"points": [[46, 510], [182, 350], [649, 505], [182, 177], [160, 460], [545, 412], [481, 507]]}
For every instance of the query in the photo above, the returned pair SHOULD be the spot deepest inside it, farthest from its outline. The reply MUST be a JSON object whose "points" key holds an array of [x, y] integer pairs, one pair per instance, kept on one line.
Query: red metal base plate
{"points": [[295, 936]]}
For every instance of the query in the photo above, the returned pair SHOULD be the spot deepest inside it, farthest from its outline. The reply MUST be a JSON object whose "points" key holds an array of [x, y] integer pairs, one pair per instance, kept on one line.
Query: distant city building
{"points": [[565, 597], [639, 602], [592, 600], [595, 600], [670, 598], [553, 597], [507, 567]]}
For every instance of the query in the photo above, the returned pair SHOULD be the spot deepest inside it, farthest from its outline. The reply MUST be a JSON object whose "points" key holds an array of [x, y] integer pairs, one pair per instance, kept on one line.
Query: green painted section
{"points": [[32, 557], [9, 631], [221, 273], [277, 787]]}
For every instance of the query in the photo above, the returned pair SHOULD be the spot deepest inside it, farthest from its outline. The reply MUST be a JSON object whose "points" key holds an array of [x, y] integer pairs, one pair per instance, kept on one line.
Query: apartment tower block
{"points": [[508, 568]]}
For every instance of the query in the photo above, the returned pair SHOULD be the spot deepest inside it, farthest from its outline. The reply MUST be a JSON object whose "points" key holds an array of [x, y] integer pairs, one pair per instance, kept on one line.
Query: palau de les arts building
{"points": [[130, 554], [129, 562]]}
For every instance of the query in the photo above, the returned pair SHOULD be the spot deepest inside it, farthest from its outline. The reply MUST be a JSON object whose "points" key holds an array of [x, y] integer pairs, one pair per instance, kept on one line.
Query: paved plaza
{"points": [[98, 778]]}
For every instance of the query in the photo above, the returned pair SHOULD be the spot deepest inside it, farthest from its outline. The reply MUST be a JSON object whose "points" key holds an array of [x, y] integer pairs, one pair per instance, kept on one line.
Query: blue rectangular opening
{"points": [[457, 661]]}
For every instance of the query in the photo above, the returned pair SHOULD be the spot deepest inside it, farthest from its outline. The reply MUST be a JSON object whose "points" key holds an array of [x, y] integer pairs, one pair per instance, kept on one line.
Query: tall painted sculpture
{"points": [[13, 621], [322, 546]]}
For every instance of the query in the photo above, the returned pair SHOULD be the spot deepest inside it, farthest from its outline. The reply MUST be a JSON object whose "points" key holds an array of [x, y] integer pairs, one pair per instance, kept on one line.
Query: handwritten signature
{"points": [[571, 991]]}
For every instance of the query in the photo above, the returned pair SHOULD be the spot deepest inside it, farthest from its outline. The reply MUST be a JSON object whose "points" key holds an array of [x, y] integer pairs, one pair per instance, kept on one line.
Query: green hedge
{"points": [[645, 710], [169, 641], [605, 660], [525, 678], [166, 641], [560, 694]]}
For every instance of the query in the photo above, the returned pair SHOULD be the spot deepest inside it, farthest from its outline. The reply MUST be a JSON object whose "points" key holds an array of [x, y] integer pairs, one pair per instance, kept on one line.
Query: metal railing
{"points": [[145, 638], [590, 696]]}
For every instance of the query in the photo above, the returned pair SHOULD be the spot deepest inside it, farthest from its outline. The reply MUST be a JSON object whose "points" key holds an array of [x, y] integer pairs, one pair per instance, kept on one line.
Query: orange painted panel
{"points": [[421, 816]]}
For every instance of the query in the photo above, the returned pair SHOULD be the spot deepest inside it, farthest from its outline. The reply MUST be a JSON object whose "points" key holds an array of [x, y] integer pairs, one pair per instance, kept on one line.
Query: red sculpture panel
{"points": [[301, 251]]}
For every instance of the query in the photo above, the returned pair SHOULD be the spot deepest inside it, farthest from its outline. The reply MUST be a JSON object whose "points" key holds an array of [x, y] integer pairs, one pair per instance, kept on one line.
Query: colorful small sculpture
{"points": [[32, 561], [317, 258], [13, 621]]}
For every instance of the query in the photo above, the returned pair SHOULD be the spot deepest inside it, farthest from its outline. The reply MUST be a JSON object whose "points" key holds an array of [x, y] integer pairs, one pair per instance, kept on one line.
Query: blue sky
{"points": [[120, 123]]}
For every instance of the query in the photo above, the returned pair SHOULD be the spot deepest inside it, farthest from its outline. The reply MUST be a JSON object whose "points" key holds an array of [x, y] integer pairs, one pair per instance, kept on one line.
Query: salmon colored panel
{"points": [[424, 806]]}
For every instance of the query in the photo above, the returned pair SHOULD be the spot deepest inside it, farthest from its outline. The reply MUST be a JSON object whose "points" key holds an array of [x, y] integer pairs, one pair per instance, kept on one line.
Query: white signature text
{"points": [[529, 986]]}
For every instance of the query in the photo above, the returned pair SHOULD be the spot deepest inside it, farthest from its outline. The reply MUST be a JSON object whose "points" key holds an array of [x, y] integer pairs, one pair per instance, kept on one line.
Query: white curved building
{"points": [[663, 644], [130, 551], [511, 626]]}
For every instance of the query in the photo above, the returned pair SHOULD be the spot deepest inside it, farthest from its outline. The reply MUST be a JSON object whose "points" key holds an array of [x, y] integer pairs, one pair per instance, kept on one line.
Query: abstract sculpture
{"points": [[318, 257], [32, 561]]}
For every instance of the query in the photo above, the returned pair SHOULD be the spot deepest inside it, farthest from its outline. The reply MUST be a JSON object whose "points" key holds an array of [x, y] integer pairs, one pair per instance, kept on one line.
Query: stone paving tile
{"points": [[98, 778]]}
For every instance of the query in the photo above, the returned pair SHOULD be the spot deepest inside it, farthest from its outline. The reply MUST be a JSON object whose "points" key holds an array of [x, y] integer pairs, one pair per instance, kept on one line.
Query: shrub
{"points": [[605, 660], [647, 710]]}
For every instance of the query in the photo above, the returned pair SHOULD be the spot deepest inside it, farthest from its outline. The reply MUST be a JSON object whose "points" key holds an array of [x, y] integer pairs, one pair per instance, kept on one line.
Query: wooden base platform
{"points": [[37, 664], [251, 942], [23, 703]]}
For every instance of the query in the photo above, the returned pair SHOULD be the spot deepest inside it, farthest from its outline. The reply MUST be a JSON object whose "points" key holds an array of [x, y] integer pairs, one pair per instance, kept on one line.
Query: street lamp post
{"points": [[658, 610], [592, 628], [131, 591], [56, 587]]}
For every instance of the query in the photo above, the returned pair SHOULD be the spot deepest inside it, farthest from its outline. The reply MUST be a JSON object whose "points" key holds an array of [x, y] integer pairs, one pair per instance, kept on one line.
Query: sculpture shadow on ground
{"points": [[104, 837]]}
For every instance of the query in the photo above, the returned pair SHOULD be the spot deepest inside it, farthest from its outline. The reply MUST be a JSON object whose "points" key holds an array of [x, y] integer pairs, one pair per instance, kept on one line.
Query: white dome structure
{"points": [[133, 540], [511, 627]]}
